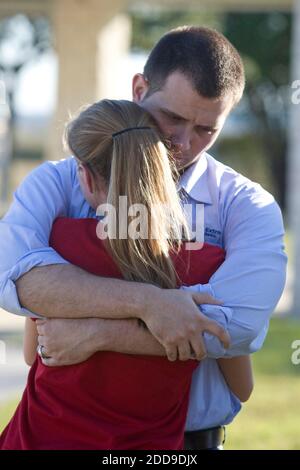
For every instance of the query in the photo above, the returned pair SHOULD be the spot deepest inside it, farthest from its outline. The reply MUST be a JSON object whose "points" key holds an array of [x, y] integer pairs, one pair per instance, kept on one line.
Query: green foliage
{"points": [[149, 24], [263, 39]]}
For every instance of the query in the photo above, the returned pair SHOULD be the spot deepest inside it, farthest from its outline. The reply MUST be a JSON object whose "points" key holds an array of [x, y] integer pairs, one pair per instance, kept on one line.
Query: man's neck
{"points": [[182, 170]]}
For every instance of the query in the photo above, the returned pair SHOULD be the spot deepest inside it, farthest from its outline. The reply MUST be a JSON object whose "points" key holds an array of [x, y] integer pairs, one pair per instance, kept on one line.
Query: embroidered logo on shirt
{"points": [[213, 236]]}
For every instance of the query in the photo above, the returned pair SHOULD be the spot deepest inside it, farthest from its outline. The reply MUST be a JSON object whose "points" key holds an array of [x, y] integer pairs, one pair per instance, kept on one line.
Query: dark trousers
{"points": [[205, 439]]}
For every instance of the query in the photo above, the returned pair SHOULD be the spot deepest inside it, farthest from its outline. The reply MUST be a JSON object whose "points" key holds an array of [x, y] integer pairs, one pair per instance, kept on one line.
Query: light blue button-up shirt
{"points": [[239, 216]]}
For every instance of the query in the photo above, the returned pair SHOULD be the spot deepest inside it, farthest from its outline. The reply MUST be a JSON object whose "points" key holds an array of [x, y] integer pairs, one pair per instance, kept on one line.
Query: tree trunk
{"points": [[294, 165]]}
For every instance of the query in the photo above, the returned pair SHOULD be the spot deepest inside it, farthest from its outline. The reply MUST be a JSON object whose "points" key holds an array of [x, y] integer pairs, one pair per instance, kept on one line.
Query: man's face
{"points": [[191, 123]]}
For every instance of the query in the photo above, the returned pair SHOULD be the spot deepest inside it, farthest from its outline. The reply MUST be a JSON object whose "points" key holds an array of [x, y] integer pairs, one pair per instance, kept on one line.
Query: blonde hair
{"points": [[136, 164]]}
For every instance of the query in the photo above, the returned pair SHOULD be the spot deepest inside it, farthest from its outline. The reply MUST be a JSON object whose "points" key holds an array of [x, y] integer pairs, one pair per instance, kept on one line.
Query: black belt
{"points": [[204, 439]]}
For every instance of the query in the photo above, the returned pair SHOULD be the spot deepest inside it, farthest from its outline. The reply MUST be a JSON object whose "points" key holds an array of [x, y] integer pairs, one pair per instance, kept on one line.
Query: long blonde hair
{"points": [[134, 163]]}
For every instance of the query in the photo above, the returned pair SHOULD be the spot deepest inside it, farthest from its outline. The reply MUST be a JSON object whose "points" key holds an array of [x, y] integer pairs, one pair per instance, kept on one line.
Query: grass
{"points": [[6, 412], [270, 419]]}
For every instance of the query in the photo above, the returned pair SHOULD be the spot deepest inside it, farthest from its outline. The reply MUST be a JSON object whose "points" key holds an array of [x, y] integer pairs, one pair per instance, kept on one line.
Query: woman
{"points": [[113, 400]]}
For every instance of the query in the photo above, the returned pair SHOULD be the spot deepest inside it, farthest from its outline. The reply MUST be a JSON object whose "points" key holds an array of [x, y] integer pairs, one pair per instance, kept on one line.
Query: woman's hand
{"points": [[67, 341]]}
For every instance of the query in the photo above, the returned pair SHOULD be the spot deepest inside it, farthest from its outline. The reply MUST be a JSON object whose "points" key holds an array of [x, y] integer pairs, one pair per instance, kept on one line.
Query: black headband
{"points": [[129, 129]]}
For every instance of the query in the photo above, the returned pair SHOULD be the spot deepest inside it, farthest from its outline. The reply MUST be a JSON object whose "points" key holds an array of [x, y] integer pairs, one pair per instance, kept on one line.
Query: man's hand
{"points": [[67, 341], [177, 323]]}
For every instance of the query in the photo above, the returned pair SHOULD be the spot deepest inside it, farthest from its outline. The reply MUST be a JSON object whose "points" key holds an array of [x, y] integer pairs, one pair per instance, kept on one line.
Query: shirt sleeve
{"points": [[25, 229], [250, 282]]}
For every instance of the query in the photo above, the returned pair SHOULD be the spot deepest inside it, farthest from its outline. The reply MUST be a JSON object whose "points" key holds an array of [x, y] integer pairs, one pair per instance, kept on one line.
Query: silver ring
{"points": [[40, 352]]}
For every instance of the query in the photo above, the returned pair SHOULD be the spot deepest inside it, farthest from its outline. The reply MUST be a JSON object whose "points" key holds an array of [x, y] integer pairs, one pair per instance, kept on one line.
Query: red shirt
{"points": [[111, 400]]}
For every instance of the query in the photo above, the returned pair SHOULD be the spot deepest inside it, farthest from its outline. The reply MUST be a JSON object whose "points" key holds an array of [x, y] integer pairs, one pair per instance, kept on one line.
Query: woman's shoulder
{"points": [[197, 262]]}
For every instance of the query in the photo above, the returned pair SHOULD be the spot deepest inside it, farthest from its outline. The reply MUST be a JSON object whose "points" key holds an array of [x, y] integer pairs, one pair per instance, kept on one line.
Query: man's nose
{"points": [[181, 142]]}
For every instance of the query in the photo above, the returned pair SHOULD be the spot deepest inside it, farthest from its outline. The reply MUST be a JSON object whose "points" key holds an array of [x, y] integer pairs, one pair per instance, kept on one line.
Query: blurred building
{"points": [[5, 147], [91, 36]]}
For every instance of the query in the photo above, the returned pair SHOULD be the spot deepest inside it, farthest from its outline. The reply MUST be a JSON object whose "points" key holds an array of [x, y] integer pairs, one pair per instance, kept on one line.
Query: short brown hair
{"points": [[202, 55]]}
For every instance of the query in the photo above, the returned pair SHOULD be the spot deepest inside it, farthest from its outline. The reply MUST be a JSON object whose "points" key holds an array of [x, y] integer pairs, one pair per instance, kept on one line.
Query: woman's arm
{"points": [[30, 341], [237, 372]]}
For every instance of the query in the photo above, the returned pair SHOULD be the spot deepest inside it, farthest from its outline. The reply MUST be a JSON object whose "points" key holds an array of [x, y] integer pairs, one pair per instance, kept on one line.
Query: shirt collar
{"points": [[194, 181]]}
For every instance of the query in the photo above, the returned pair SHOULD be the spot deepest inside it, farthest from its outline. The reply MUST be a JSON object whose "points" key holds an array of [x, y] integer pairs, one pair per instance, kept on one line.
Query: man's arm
{"points": [[67, 291], [171, 315], [34, 279], [43, 196], [251, 279]]}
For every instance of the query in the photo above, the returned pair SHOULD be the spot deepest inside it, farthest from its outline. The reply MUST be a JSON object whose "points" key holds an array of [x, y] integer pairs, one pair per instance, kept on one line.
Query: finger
{"points": [[216, 330], [184, 351], [198, 347], [204, 298], [40, 329], [171, 353], [40, 322]]}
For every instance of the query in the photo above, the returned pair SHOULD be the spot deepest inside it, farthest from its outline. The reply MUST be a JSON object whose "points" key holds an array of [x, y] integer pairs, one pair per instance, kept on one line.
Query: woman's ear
{"points": [[86, 178], [140, 87], [89, 180]]}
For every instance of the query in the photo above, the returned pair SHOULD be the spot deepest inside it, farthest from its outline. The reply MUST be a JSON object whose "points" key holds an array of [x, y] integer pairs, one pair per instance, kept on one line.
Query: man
{"points": [[191, 81]]}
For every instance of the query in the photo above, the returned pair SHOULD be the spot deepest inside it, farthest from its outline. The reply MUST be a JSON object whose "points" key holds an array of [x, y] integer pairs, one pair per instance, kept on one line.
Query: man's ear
{"points": [[140, 87]]}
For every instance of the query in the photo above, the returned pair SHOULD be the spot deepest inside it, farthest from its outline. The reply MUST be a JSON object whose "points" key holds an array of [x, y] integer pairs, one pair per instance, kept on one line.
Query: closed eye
{"points": [[172, 117], [176, 118]]}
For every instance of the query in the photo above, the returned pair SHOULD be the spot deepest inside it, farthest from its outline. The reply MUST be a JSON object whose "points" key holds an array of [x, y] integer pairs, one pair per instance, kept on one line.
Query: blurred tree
{"points": [[149, 23], [263, 39], [22, 40]]}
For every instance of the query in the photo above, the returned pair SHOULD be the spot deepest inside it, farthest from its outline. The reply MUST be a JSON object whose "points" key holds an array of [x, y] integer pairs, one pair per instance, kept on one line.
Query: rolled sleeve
{"points": [[25, 229], [251, 280], [8, 292]]}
